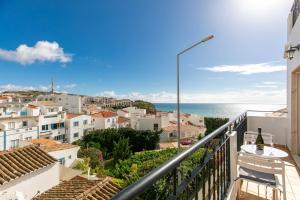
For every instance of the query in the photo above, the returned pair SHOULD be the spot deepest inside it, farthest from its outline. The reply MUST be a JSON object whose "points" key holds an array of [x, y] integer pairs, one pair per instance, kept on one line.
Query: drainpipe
{"points": [[38, 131], [4, 140]]}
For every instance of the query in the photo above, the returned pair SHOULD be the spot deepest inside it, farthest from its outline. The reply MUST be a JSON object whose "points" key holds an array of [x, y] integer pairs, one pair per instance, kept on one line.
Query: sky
{"points": [[127, 49]]}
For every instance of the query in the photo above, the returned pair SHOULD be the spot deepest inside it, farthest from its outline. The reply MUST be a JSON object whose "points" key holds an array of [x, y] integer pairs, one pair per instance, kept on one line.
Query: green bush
{"points": [[213, 123]]}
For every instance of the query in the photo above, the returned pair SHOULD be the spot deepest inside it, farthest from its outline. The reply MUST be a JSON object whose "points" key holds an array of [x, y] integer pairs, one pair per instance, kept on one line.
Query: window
{"points": [[62, 161], [60, 137], [76, 123], [14, 143], [11, 125], [28, 138], [45, 127], [155, 127], [76, 135], [85, 122], [24, 123], [108, 120], [62, 125], [54, 126]]}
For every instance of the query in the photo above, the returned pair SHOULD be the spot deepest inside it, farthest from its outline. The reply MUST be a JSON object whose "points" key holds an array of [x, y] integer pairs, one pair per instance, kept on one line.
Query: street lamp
{"points": [[178, 96]]}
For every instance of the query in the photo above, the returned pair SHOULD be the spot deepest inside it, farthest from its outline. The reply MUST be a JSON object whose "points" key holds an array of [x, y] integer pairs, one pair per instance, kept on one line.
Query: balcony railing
{"points": [[296, 11], [209, 178]]}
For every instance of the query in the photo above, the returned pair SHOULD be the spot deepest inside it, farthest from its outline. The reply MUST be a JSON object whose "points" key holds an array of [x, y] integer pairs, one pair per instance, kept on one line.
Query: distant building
{"points": [[123, 122], [70, 102], [27, 172], [66, 154], [80, 188], [77, 126], [105, 120], [169, 133]]}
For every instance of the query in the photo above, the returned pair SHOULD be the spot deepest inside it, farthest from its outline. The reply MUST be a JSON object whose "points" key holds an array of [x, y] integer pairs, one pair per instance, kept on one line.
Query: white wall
{"points": [[294, 39], [40, 180], [277, 126], [80, 129], [70, 155]]}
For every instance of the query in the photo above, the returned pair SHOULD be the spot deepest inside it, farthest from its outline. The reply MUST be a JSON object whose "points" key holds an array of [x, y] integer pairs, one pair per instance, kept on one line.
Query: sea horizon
{"points": [[228, 110]]}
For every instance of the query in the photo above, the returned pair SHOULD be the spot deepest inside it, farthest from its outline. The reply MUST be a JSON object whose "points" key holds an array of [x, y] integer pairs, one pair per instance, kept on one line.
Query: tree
{"points": [[213, 123], [150, 107], [121, 149], [83, 165], [95, 155]]}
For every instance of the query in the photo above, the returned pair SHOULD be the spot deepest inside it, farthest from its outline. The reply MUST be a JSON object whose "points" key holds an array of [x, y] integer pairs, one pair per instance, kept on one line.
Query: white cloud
{"points": [[234, 96], [247, 69], [12, 87], [70, 86], [42, 51]]}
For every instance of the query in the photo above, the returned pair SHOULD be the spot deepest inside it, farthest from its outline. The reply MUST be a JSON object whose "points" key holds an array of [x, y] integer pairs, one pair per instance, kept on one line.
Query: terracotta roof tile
{"points": [[48, 145], [122, 120], [80, 188], [104, 114], [72, 115], [22, 161]]}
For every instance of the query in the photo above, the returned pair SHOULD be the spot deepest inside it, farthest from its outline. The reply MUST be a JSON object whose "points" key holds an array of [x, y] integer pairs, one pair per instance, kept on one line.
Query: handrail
{"points": [[145, 182]]}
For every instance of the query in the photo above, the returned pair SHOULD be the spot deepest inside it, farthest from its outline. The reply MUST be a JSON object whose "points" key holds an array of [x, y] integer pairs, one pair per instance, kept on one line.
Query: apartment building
{"points": [[70, 102], [51, 120], [131, 112], [105, 120], [77, 126]]}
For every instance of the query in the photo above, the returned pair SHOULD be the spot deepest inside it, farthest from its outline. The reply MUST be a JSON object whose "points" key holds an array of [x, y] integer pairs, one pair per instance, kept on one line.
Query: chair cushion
{"points": [[259, 177]]}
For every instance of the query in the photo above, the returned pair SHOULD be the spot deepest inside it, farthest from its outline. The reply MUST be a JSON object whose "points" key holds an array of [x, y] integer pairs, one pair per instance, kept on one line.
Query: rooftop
{"points": [[48, 145], [22, 161], [80, 188], [104, 114]]}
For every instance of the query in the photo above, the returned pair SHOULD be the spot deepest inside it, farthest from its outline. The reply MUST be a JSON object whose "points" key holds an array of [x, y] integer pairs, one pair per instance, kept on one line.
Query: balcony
{"points": [[214, 175]]}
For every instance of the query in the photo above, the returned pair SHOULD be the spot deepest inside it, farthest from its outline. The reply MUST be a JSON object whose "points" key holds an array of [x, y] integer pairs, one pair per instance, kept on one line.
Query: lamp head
{"points": [[207, 38]]}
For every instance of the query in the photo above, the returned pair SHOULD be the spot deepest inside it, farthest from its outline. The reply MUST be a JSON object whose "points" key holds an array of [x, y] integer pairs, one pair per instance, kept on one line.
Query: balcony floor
{"points": [[292, 178]]}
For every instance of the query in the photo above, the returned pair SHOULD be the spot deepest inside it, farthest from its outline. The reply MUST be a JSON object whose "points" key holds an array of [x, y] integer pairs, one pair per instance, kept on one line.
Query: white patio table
{"points": [[268, 152]]}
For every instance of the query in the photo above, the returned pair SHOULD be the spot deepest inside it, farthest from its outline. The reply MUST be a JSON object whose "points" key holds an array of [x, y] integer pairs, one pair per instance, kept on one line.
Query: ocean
{"points": [[229, 110]]}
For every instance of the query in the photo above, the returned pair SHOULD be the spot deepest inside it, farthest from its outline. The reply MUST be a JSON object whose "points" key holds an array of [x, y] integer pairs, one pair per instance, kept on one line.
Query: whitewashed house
{"points": [[26, 179], [292, 54], [131, 112], [148, 122], [15, 129], [105, 120], [77, 126], [66, 154]]}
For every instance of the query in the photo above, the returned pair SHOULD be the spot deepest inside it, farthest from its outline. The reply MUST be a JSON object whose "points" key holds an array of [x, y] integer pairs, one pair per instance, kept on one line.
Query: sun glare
{"points": [[260, 7]]}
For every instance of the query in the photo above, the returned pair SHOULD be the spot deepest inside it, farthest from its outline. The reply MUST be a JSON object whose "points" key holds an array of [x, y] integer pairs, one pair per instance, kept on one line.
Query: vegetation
{"points": [[121, 149], [213, 123], [95, 156], [150, 107], [104, 140]]}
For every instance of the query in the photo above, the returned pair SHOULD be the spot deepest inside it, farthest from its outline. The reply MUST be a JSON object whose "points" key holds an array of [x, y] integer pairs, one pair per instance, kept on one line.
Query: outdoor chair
{"points": [[263, 171]]}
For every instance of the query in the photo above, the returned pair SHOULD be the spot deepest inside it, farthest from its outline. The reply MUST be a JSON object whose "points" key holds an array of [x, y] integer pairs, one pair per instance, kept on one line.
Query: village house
{"points": [[105, 120]]}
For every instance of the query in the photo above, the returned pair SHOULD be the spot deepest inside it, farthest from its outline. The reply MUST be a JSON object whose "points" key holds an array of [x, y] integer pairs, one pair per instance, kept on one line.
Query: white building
{"points": [[26, 179], [105, 120], [148, 122], [77, 126], [15, 129], [51, 120], [131, 112], [66, 154], [292, 54], [71, 102]]}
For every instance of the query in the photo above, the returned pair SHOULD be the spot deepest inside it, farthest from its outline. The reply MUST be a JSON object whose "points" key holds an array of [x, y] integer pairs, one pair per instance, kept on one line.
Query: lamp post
{"points": [[178, 86]]}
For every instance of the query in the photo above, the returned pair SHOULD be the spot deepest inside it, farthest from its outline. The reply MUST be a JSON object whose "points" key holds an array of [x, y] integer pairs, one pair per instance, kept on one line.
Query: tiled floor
{"points": [[292, 184]]}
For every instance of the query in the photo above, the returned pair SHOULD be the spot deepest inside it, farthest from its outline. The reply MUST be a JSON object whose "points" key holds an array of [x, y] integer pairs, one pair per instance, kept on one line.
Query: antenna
{"points": [[52, 86]]}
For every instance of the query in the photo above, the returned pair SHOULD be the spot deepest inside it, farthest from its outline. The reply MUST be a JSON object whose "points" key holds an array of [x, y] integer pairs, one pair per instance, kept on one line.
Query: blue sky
{"points": [[127, 49]]}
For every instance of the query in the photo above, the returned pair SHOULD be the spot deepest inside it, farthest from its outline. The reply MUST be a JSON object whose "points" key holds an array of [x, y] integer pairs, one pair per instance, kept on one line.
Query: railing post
{"points": [[233, 165]]}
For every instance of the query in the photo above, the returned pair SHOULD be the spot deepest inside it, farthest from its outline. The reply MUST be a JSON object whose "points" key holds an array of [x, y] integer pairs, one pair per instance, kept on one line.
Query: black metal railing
{"points": [[209, 177], [295, 11]]}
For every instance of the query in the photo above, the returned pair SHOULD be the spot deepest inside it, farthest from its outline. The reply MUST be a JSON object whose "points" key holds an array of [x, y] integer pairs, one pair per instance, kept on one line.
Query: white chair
{"points": [[262, 171], [250, 135]]}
